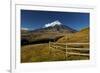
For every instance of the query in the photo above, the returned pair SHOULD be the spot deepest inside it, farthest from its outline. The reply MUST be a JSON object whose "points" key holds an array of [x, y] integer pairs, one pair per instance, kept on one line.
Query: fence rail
{"points": [[78, 54], [69, 43], [66, 48]]}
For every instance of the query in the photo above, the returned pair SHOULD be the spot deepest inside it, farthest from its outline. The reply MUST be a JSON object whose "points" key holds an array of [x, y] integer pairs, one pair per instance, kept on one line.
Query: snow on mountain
{"points": [[53, 24]]}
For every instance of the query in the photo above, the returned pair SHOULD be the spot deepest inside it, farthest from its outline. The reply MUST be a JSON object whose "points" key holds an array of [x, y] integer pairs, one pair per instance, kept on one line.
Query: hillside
{"points": [[52, 32], [55, 26], [81, 36], [36, 38], [49, 43]]}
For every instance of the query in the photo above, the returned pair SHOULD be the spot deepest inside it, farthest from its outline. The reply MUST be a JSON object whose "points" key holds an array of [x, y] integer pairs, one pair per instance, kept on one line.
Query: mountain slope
{"points": [[55, 26], [52, 32], [81, 36]]}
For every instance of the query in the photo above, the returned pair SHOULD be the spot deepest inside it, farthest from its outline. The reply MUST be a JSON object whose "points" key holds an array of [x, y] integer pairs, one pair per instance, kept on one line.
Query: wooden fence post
{"points": [[66, 51], [50, 49]]}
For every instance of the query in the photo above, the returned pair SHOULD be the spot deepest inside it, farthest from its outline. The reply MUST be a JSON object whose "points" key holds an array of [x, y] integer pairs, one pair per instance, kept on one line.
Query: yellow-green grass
{"points": [[79, 37], [43, 53], [40, 53], [77, 57]]}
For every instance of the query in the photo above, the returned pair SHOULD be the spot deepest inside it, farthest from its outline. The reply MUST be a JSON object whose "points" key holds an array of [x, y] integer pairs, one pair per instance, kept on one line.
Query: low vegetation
{"points": [[79, 37], [34, 50], [40, 53]]}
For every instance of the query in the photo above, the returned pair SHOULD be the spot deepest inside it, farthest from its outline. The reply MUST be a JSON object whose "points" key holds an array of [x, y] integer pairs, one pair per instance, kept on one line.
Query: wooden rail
{"points": [[78, 54], [66, 48], [87, 49], [70, 43]]}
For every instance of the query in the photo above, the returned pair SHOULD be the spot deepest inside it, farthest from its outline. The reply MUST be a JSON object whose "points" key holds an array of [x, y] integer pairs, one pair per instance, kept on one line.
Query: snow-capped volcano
{"points": [[53, 24]]}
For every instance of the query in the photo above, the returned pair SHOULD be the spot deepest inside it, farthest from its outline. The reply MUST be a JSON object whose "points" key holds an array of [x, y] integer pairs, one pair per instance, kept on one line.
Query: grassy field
{"points": [[40, 53], [43, 53], [80, 37]]}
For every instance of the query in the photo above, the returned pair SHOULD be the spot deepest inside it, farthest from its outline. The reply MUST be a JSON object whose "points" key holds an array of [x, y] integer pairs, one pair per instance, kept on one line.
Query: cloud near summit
{"points": [[53, 23]]}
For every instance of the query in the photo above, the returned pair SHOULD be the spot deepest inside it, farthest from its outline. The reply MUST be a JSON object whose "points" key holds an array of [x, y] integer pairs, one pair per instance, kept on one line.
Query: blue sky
{"points": [[32, 19]]}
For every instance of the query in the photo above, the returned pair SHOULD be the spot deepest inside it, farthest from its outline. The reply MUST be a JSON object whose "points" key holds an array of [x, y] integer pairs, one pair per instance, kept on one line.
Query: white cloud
{"points": [[53, 23]]}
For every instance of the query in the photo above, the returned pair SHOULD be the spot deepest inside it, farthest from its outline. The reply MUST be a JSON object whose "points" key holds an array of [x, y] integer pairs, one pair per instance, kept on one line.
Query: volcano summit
{"points": [[55, 26]]}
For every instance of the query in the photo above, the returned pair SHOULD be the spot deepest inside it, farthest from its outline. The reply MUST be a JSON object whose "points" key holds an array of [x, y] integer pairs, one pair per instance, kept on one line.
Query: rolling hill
{"points": [[79, 37]]}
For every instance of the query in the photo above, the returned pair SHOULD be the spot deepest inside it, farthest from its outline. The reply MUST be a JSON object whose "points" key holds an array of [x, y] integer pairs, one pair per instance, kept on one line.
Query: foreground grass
{"points": [[39, 53], [42, 53], [76, 57]]}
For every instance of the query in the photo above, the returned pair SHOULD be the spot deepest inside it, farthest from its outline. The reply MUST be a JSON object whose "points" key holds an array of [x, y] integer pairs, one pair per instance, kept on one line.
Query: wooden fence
{"points": [[64, 46]]}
